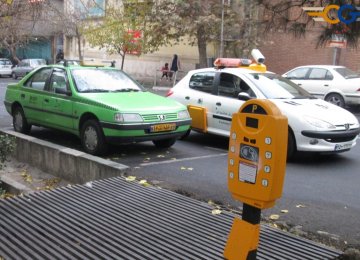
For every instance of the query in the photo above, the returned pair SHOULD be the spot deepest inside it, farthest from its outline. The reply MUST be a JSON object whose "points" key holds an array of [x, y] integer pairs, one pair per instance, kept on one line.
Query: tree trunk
{"points": [[78, 37], [122, 59], [201, 39], [12, 50]]}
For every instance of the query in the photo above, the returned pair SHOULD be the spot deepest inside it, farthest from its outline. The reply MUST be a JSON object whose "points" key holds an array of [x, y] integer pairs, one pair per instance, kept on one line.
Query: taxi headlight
{"points": [[183, 114], [127, 117], [319, 123]]}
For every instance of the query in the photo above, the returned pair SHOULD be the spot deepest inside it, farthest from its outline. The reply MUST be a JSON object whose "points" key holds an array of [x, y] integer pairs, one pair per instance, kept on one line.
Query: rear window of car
{"points": [[347, 73], [5, 62], [103, 80]]}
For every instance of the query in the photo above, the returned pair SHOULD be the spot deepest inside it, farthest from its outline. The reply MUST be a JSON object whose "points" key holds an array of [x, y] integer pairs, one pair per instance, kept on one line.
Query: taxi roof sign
{"points": [[255, 64]]}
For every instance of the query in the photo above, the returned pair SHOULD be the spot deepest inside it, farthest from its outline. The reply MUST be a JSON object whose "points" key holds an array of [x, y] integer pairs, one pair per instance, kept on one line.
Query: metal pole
{"points": [[335, 55], [251, 215], [222, 30]]}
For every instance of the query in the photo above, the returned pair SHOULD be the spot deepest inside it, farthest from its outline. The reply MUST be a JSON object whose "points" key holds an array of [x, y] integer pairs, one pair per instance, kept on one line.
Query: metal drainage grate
{"points": [[116, 219]]}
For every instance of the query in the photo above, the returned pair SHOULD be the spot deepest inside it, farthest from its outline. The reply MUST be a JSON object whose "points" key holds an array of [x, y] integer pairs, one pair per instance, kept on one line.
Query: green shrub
{"points": [[7, 146]]}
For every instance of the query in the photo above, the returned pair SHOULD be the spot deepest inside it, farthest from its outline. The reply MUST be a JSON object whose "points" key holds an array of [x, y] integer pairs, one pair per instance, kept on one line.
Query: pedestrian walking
{"points": [[175, 66]]}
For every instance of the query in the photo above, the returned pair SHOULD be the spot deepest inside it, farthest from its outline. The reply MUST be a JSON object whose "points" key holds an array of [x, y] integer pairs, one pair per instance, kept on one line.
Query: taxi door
{"points": [[32, 95], [227, 101], [58, 103]]}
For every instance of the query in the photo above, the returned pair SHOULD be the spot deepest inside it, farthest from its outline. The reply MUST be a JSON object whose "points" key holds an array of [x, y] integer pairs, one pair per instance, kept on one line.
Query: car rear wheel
{"points": [[291, 149], [165, 143], [335, 99], [92, 138], [19, 121], [14, 75]]}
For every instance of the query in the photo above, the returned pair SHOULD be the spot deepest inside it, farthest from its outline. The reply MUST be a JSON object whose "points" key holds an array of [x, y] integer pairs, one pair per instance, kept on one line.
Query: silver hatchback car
{"points": [[5, 67], [25, 66]]}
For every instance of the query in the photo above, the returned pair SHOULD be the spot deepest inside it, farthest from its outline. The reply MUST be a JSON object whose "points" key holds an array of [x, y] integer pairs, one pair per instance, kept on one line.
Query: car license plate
{"points": [[340, 147], [162, 127]]}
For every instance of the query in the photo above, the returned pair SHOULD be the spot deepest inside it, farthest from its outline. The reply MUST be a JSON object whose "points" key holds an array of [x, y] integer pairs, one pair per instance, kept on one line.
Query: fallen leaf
{"points": [[144, 183], [274, 217], [89, 184], [216, 212], [284, 211], [190, 169], [173, 159], [28, 178], [210, 202], [143, 153], [183, 168], [130, 178], [160, 156], [300, 206]]}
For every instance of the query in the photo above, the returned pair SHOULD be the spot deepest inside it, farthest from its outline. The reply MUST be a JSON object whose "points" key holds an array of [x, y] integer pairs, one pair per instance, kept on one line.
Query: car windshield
{"points": [[347, 73], [276, 87], [103, 80], [39, 62]]}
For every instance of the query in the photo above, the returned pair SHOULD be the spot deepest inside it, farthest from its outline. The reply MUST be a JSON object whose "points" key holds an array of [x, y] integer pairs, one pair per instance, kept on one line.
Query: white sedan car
{"points": [[336, 84], [314, 125]]}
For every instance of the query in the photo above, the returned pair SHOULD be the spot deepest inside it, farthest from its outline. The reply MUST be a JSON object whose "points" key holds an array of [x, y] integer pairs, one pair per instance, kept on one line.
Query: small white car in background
{"points": [[335, 84], [5, 67], [314, 125]]}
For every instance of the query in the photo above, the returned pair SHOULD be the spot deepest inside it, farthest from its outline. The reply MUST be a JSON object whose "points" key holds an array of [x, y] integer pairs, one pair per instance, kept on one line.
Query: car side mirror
{"points": [[244, 96], [63, 91]]}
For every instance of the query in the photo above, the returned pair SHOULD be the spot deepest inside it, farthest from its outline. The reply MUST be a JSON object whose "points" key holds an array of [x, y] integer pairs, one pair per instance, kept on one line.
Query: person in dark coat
{"points": [[59, 55], [175, 65]]}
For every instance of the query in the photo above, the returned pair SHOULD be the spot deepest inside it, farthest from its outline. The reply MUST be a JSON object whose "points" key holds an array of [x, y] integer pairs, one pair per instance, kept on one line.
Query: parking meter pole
{"points": [[251, 215]]}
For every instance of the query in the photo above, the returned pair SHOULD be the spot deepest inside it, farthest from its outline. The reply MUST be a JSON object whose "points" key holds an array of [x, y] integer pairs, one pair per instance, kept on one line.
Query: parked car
{"points": [[214, 94], [101, 105], [335, 84], [25, 66], [5, 67], [69, 62]]}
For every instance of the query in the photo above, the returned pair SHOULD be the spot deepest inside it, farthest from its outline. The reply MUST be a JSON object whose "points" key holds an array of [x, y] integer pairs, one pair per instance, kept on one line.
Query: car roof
{"points": [[320, 66], [242, 70]]}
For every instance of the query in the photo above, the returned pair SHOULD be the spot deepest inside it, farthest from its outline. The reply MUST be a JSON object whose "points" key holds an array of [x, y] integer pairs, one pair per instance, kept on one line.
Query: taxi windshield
{"points": [[93, 80], [276, 87]]}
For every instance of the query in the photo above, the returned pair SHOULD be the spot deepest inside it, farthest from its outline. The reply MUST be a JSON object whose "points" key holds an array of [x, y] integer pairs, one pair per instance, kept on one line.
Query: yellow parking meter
{"points": [[256, 170]]}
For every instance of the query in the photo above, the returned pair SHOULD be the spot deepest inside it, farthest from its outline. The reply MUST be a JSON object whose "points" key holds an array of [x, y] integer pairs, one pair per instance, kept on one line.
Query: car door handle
{"points": [[326, 85], [218, 104], [46, 100], [187, 97], [22, 95], [299, 84], [200, 100]]}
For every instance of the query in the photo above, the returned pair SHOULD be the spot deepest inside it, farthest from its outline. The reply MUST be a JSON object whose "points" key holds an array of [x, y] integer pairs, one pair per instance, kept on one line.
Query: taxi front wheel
{"points": [[165, 143], [92, 138]]}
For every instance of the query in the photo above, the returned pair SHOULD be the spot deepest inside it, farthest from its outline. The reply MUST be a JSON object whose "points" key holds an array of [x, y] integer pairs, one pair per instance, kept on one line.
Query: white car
{"points": [[314, 125], [335, 84], [5, 67]]}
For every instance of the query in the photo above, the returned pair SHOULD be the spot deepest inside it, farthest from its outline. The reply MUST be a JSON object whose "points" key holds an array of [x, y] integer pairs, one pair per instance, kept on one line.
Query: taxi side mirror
{"points": [[244, 96], [63, 91]]}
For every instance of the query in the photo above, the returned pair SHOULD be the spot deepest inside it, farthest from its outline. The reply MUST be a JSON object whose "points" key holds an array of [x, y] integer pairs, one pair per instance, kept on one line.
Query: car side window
{"points": [[231, 85], [202, 81], [298, 73], [320, 74], [38, 80], [58, 80]]}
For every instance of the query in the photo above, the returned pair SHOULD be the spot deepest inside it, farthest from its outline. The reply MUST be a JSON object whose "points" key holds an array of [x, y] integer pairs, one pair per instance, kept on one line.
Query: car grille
{"points": [[155, 117], [341, 139]]}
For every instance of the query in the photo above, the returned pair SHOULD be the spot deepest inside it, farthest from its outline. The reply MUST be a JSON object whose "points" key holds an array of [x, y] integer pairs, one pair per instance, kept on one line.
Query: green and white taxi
{"points": [[99, 104], [213, 95]]}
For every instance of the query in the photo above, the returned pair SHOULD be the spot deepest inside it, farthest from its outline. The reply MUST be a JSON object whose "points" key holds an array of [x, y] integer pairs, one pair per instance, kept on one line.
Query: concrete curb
{"points": [[65, 163]]}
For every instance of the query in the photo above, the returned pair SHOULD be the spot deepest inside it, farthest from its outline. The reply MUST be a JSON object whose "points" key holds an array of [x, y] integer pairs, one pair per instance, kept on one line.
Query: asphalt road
{"points": [[320, 191]]}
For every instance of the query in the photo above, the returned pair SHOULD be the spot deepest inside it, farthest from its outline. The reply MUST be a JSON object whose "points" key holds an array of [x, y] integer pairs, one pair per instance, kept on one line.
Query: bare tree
{"points": [[17, 22]]}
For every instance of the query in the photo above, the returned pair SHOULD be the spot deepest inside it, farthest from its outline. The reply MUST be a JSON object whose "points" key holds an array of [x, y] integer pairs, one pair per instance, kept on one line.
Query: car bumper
{"points": [[352, 99], [130, 133], [332, 142]]}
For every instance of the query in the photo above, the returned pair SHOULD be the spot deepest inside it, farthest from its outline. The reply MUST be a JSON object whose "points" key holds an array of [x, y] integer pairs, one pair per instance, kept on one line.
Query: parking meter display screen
{"points": [[252, 122], [249, 152]]}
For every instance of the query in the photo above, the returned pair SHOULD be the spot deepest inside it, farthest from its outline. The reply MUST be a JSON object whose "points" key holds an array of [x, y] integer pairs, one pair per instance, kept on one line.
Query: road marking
{"points": [[184, 159]]}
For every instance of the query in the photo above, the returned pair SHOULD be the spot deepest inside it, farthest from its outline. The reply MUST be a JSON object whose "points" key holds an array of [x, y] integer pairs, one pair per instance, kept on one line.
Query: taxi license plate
{"points": [[162, 128]]}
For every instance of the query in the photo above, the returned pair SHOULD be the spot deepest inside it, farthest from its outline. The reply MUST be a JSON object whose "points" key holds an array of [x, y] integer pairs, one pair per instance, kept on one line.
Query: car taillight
{"points": [[170, 92]]}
